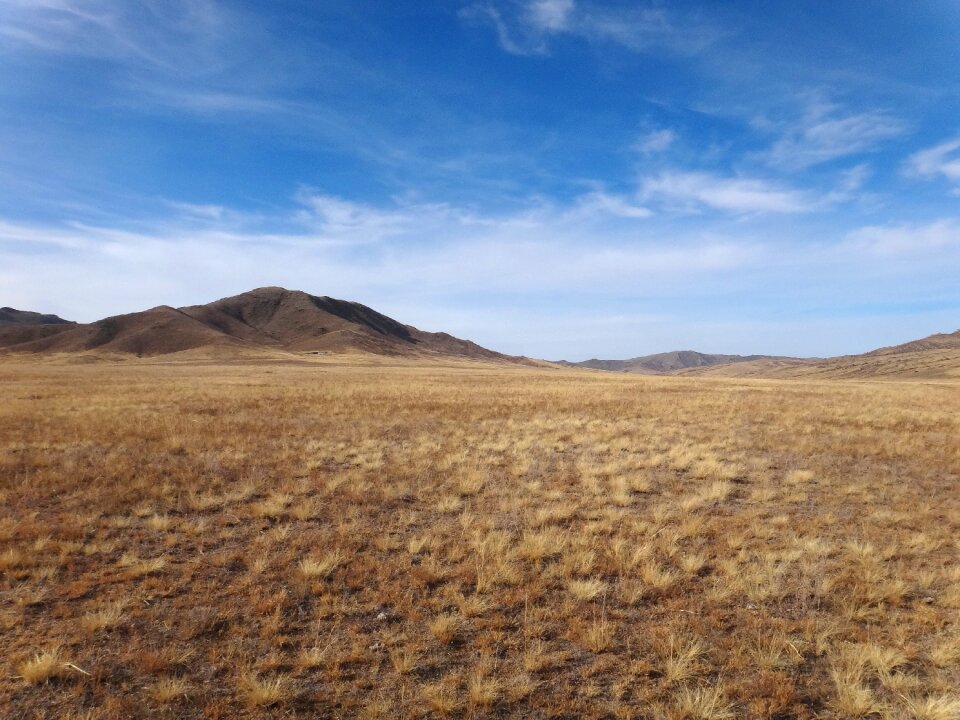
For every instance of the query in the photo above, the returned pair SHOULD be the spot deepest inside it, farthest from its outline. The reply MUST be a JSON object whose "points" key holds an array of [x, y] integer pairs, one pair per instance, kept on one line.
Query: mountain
{"points": [[933, 357], [11, 316], [939, 341], [269, 318], [668, 362], [930, 358]]}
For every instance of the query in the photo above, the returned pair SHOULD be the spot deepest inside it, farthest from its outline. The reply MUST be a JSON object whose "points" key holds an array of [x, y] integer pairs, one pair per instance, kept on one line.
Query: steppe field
{"points": [[323, 540]]}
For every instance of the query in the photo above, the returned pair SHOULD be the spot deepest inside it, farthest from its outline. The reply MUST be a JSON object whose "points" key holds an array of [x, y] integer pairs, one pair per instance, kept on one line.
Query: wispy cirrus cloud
{"points": [[181, 35], [693, 191], [908, 240], [551, 15], [333, 216], [526, 27], [655, 141], [825, 134], [599, 202], [941, 160], [596, 245], [456, 268], [515, 38], [649, 28]]}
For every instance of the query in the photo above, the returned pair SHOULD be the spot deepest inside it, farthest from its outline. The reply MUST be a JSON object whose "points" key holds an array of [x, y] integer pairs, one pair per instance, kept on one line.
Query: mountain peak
{"points": [[266, 318]]}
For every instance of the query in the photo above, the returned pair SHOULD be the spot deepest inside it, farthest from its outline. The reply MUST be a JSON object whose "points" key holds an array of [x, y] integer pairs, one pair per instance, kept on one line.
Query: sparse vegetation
{"points": [[415, 540], [41, 668]]}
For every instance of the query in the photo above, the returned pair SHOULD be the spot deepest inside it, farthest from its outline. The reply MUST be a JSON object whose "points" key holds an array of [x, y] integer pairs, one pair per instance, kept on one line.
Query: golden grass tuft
{"points": [[588, 589], [442, 697], [703, 704], [404, 659], [445, 628], [483, 691], [169, 690], [941, 707], [105, 618], [313, 568], [42, 667], [263, 692]]}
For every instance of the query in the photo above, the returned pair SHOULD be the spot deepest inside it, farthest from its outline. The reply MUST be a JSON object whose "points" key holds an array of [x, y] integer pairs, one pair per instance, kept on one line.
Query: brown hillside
{"points": [[940, 341], [12, 316], [930, 358], [11, 335], [297, 321], [666, 363], [263, 319], [158, 331]]}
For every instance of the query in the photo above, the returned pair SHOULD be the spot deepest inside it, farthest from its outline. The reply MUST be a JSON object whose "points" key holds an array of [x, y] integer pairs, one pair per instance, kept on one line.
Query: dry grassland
{"points": [[202, 541]]}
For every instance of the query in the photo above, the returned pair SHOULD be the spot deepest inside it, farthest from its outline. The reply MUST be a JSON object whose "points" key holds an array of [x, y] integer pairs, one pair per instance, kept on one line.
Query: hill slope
{"points": [[939, 341], [933, 357], [12, 316], [667, 362], [263, 319]]}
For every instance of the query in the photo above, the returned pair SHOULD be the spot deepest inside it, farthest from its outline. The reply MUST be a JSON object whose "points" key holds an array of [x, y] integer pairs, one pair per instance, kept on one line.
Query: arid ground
{"points": [[203, 540]]}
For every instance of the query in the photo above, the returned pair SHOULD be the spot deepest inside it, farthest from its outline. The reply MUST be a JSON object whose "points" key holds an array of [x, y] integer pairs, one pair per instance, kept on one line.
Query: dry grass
{"points": [[262, 692], [323, 567], [169, 690], [41, 668], [105, 618], [327, 540], [445, 628]]}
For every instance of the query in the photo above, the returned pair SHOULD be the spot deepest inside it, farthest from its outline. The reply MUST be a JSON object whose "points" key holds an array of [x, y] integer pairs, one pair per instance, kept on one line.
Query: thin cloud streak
{"points": [[939, 237], [183, 36], [692, 191], [823, 137], [656, 141], [526, 27], [942, 160]]}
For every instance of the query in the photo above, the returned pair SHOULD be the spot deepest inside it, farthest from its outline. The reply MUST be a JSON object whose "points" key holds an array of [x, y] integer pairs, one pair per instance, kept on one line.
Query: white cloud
{"points": [[647, 29], [908, 240], [823, 136], [178, 35], [525, 27], [335, 217], [599, 244], [516, 36], [849, 186], [598, 201], [940, 160], [655, 141], [210, 212], [693, 190], [550, 14], [453, 268]]}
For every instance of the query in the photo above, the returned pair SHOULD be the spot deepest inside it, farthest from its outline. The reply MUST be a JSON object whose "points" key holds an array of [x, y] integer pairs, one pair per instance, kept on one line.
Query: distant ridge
{"points": [[270, 318], [667, 362], [931, 358], [12, 316], [939, 341]]}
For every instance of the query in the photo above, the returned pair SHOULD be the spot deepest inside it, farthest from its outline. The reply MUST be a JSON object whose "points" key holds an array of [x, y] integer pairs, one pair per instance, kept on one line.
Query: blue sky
{"points": [[558, 178]]}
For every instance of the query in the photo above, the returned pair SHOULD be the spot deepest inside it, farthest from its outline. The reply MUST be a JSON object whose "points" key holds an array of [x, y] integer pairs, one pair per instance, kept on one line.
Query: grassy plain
{"points": [[316, 540]]}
